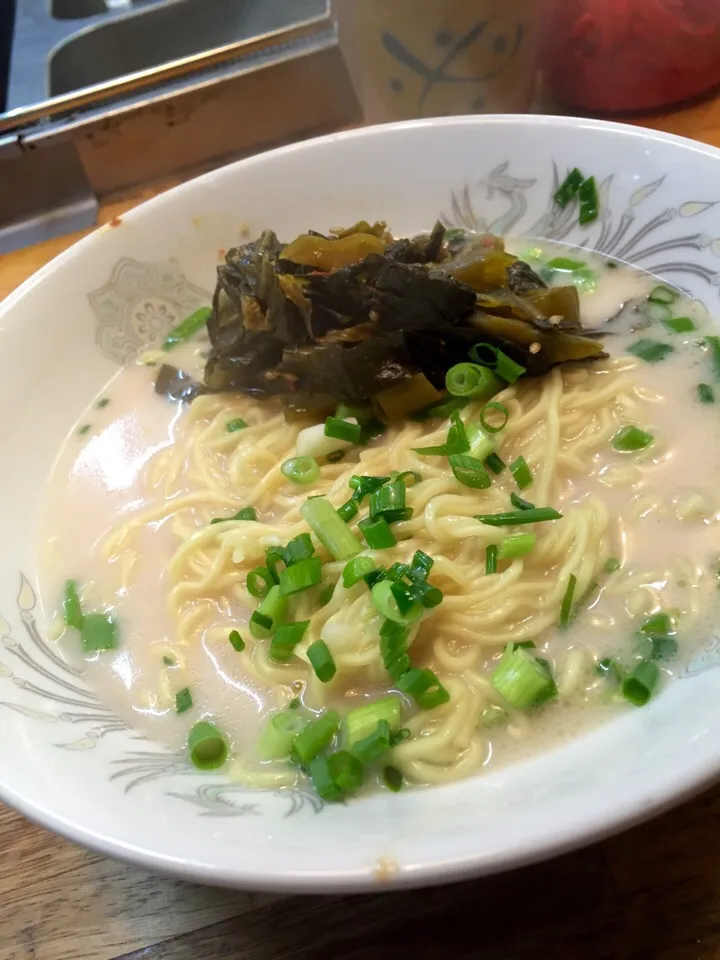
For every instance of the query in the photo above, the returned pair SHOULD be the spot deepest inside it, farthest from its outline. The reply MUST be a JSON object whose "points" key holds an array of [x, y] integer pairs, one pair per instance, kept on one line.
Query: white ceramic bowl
{"points": [[67, 762]]}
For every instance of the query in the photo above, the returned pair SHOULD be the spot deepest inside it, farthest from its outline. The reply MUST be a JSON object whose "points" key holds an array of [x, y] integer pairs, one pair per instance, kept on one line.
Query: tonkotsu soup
{"points": [[397, 514]]}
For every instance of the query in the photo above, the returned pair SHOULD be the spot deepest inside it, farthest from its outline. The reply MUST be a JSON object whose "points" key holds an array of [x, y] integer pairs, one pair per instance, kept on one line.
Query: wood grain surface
{"points": [[652, 893]]}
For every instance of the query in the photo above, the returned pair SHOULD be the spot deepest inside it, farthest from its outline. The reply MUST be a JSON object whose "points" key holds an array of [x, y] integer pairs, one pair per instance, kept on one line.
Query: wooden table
{"points": [[650, 894]]}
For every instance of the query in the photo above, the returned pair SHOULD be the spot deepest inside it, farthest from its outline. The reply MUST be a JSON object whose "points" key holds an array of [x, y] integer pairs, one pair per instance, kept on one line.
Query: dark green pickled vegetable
{"points": [[362, 317]]}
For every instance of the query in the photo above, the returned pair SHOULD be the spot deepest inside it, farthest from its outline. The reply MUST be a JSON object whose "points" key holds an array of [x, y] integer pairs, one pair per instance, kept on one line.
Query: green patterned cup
{"points": [[424, 58]]}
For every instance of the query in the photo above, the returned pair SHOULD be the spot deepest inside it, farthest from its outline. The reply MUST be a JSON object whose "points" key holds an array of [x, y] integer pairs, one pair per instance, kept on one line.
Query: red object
{"points": [[629, 55]]}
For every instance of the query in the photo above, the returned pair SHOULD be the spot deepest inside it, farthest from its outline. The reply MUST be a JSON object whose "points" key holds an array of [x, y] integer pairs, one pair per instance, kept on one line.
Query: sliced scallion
{"points": [[362, 721], [639, 686], [232, 426], [343, 430], [348, 510], [495, 463], [565, 264], [521, 679], [245, 513], [300, 576], [285, 639], [511, 548], [259, 581], [424, 687], [385, 599], [679, 325], [322, 780], [392, 778], [330, 529], [236, 641], [491, 558], [705, 393], [469, 471], [567, 601], [207, 747], [521, 504], [356, 569], [278, 734], [494, 408], [588, 201], [346, 770], [321, 660], [651, 351], [612, 564], [268, 614], [504, 366], [72, 607], [713, 344], [98, 632], [472, 381], [521, 473], [299, 548], [315, 737], [457, 441], [187, 328], [301, 470], [389, 502], [183, 700], [377, 533], [511, 518], [568, 189], [663, 294], [630, 438], [375, 744], [393, 648]]}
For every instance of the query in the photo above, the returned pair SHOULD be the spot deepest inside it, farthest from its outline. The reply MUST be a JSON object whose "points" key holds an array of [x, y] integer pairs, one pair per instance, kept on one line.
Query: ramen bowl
{"points": [[71, 764]]}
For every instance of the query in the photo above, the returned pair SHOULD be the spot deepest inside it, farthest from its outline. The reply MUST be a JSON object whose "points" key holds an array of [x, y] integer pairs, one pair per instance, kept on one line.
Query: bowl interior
{"points": [[69, 763]]}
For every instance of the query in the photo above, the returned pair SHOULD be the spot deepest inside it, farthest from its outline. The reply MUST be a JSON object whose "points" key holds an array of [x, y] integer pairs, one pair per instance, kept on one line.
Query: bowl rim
{"points": [[669, 789]]}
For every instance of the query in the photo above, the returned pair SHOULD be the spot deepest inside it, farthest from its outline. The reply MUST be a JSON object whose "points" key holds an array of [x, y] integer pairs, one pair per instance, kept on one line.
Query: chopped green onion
{"points": [[397, 572], [392, 778], [386, 603], [259, 582], [346, 770], [102, 403], [631, 438], [457, 441], [301, 470], [493, 715], [343, 430], [362, 412], [326, 594], [481, 445], [679, 325], [277, 735], [168, 661], [295, 704], [651, 351], [375, 576], [663, 294], [300, 576], [638, 687], [409, 475], [472, 381], [187, 328], [714, 344], [360, 722], [268, 614], [273, 557], [72, 608], [494, 463], [377, 533], [399, 736], [85, 428], [98, 632], [521, 473], [388, 501], [236, 641], [657, 625], [657, 312], [299, 548], [565, 263], [517, 546], [356, 569], [504, 366], [315, 737], [588, 201], [183, 700], [469, 471], [348, 510], [233, 426], [521, 504], [207, 746], [321, 660], [420, 566], [375, 744], [491, 557], [489, 407], [521, 679], [322, 780], [245, 513], [609, 669], [329, 528], [612, 564], [393, 648], [536, 515], [566, 606], [285, 639], [705, 393], [362, 486], [568, 189], [424, 687]]}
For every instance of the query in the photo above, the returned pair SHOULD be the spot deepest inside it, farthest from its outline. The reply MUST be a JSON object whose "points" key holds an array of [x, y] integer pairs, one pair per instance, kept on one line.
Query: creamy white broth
{"points": [[664, 496]]}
